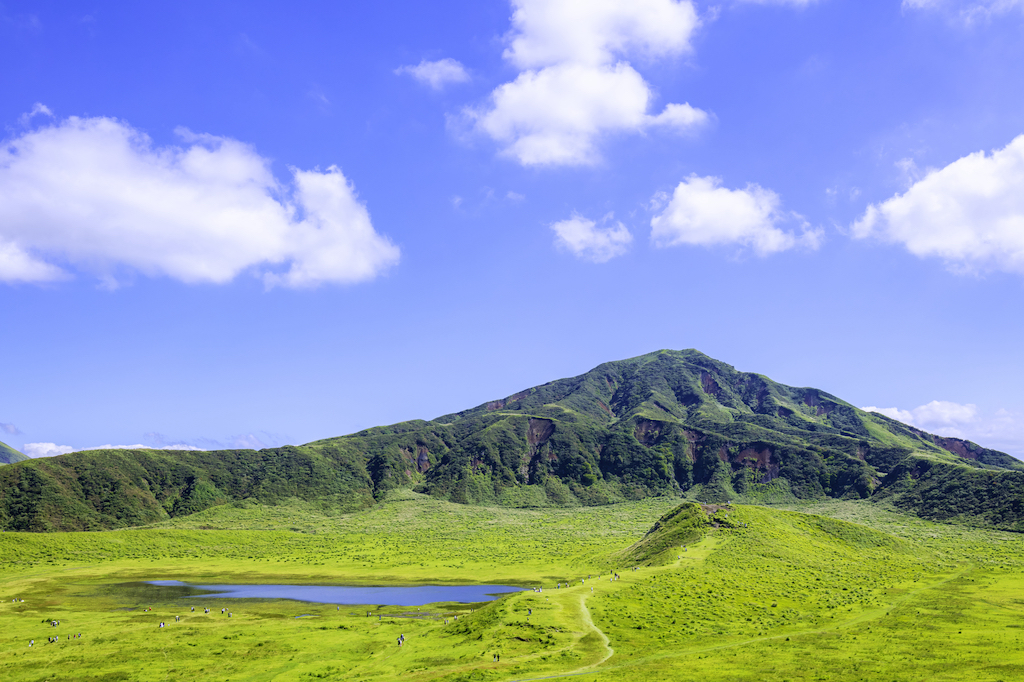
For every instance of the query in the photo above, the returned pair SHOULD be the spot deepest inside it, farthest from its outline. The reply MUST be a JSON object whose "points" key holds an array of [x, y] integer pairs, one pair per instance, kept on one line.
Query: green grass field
{"points": [[839, 591]]}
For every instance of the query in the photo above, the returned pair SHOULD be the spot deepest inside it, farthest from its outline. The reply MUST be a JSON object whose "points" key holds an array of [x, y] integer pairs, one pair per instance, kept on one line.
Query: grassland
{"points": [[836, 591]]}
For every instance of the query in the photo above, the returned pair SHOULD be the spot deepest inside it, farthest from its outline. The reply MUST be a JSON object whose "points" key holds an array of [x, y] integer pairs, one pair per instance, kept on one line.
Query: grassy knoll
{"points": [[849, 592]]}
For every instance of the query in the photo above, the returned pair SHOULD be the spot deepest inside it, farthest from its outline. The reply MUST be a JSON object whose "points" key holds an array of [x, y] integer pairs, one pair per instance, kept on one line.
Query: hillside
{"points": [[9, 454], [666, 423]]}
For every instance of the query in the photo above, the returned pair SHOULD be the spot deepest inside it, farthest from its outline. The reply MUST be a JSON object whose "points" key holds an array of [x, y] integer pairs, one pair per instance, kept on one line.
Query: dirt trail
{"points": [[859, 618], [590, 628], [589, 622], [698, 552]]}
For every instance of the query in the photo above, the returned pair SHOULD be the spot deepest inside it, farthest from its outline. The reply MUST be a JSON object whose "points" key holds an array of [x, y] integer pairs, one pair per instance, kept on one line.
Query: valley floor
{"points": [[770, 594]]}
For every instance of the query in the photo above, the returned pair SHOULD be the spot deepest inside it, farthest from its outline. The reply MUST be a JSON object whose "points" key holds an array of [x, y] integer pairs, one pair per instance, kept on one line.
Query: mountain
{"points": [[9, 454], [665, 423]]}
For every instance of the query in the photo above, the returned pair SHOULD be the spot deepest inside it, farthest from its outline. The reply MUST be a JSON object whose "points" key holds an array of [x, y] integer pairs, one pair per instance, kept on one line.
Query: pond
{"points": [[413, 595]]}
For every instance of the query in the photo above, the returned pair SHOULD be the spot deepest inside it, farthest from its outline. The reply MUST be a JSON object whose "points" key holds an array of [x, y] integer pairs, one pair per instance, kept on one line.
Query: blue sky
{"points": [[249, 224]]}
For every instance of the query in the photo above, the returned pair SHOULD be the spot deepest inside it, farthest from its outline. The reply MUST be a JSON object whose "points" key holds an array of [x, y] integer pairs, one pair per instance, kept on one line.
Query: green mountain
{"points": [[9, 454], [665, 423]]}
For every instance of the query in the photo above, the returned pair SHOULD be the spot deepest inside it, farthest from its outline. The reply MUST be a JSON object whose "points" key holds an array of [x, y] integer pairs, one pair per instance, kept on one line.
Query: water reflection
{"points": [[416, 595]]}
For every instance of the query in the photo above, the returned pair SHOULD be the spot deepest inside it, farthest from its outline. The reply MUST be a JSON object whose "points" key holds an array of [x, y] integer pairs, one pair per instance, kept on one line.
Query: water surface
{"points": [[414, 595]]}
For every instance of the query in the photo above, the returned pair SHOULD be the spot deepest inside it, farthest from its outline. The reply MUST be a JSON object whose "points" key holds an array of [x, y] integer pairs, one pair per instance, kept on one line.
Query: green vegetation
{"points": [[9, 454], [727, 592], [667, 424]]}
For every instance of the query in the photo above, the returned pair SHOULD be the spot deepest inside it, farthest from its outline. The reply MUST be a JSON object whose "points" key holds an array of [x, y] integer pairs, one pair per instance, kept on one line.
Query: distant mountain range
{"points": [[665, 423], [9, 454]]}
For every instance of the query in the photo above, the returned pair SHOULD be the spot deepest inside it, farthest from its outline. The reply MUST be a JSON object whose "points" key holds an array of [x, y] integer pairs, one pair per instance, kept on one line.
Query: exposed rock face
{"points": [[657, 424], [822, 407], [710, 386], [538, 432], [761, 460], [423, 459], [502, 404], [647, 431]]}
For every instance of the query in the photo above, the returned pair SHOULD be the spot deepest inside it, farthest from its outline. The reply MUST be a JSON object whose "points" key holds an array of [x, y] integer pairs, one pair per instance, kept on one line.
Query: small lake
{"points": [[414, 595]]}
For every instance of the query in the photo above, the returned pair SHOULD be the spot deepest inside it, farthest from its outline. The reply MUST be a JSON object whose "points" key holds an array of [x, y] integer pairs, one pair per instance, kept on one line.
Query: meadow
{"points": [[830, 591]]}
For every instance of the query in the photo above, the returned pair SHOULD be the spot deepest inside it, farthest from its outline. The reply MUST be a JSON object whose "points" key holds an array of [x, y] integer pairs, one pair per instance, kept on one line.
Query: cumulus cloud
{"points": [[701, 212], [436, 74], [98, 195], [575, 85], [10, 429], [586, 240], [1002, 430], [970, 213], [896, 413], [939, 416], [45, 449]]}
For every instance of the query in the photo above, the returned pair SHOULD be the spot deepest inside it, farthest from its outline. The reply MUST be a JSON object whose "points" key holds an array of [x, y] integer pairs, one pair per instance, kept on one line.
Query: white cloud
{"points": [[38, 109], [96, 194], [575, 86], [943, 412], [595, 32], [970, 213], [942, 417], [18, 266], [896, 413], [140, 446], [935, 415], [586, 240], [436, 74], [258, 441], [10, 429], [45, 449], [1002, 430], [702, 213], [967, 11]]}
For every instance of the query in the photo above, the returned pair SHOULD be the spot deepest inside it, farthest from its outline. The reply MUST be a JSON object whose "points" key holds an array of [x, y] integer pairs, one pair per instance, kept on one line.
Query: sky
{"points": [[228, 224]]}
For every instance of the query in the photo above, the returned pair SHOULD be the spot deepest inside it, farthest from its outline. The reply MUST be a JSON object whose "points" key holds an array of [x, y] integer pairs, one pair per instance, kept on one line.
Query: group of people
{"points": [[55, 639], [55, 623]]}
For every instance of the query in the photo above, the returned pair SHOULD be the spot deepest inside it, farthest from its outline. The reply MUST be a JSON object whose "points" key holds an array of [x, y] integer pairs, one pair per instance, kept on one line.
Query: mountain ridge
{"points": [[663, 423], [9, 455]]}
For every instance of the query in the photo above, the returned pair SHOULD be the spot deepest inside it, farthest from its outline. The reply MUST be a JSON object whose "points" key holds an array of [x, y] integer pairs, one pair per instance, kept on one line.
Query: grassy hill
{"points": [[9, 454], [669, 423], [757, 594]]}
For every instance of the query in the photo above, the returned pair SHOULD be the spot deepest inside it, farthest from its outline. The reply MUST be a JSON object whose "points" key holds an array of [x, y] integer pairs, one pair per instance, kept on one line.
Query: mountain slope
{"points": [[9, 454], [665, 423]]}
